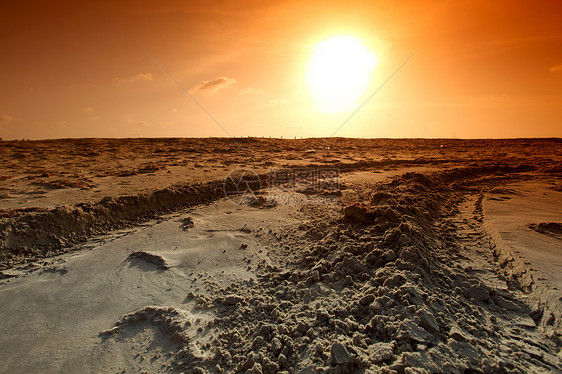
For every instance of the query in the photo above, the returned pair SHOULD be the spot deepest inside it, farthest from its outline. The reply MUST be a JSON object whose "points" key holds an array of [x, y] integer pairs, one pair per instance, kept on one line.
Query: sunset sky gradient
{"points": [[83, 69]]}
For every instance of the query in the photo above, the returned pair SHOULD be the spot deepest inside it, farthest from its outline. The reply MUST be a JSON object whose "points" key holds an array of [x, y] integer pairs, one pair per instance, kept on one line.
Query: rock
{"points": [[12, 273], [340, 355]]}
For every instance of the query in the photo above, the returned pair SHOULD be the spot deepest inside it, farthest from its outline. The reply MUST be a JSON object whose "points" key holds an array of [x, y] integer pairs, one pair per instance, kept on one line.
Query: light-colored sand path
{"points": [[523, 204], [51, 318]]}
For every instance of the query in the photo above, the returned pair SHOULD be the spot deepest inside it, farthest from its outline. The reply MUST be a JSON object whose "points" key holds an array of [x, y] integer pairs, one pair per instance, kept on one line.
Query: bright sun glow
{"points": [[339, 72]]}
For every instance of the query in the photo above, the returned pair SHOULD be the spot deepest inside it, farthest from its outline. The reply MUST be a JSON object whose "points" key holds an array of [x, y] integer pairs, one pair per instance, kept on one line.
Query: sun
{"points": [[338, 73]]}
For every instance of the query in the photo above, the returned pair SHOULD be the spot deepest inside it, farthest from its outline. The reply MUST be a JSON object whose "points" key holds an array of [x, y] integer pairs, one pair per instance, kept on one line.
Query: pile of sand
{"points": [[376, 287]]}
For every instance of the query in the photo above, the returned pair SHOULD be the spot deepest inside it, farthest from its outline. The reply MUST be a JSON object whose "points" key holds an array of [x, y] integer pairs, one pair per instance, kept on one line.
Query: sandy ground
{"points": [[430, 256]]}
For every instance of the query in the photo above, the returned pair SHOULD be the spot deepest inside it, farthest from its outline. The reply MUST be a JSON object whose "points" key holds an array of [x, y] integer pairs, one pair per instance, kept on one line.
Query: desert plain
{"points": [[260, 255]]}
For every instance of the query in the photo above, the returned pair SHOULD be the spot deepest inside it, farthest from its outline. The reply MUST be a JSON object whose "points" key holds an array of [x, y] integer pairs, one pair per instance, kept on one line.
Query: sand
{"points": [[431, 256]]}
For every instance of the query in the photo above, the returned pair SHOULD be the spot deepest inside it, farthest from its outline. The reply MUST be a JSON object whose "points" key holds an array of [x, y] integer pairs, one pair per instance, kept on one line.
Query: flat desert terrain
{"points": [[259, 255]]}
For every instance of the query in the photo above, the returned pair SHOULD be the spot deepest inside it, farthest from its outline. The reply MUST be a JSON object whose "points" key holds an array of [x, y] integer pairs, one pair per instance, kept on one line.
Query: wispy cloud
{"points": [[136, 78], [556, 68], [5, 118], [90, 111], [252, 91], [276, 102], [213, 86]]}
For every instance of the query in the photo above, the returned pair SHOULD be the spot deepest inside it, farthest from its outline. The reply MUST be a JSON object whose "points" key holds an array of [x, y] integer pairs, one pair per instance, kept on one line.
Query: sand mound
{"points": [[374, 288], [151, 258], [172, 321], [550, 228]]}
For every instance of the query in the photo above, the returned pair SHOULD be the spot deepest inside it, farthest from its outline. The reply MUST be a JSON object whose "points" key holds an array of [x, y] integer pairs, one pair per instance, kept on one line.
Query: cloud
{"points": [[214, 86], [252, 91], [5, 118], [556, 68], [88, 109], [276, 102], [136, 78]]}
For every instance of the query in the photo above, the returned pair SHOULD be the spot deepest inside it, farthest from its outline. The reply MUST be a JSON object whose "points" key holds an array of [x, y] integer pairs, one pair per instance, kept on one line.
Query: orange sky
{"points": [[481, 69]]}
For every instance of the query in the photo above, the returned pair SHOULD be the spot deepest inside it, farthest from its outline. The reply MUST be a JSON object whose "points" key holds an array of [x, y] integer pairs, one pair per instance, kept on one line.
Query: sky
{"points": [[476, 69]]}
